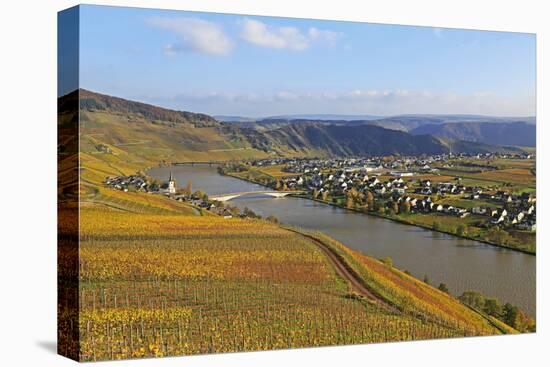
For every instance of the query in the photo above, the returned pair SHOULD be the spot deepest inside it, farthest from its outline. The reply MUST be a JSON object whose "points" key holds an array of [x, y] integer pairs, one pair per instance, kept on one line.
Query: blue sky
{"points": [[261, 66]]}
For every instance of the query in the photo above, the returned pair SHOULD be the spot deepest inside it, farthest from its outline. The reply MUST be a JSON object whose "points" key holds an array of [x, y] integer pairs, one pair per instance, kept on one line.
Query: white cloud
{"points": [[263, 35], [330, 37], [260, 34], [194, 34], [201, 36], [358, 101]]}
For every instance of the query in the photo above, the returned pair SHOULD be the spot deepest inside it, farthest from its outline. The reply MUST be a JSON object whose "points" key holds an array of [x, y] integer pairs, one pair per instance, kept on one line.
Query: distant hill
{"points": [[444, 118], [153, 134], [297, 118], [411, 122], [322, 117], [405, 123], [503, 133], [313, 138], [355, 140], [225, 118]]}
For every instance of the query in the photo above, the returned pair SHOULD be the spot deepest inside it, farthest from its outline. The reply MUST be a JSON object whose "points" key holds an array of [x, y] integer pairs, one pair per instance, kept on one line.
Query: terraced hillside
{"points": [[127, 131], [157, 284]]}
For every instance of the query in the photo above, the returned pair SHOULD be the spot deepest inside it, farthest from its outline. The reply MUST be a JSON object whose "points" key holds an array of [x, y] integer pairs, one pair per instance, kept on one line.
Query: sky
{"points": [[242, 65]]}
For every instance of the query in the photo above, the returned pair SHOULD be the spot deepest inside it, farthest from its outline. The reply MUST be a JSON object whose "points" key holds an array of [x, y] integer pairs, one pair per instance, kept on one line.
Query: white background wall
{"points": [[28, 181]]}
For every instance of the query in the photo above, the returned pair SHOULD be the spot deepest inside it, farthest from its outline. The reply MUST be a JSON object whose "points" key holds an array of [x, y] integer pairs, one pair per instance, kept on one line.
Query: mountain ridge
{"points": [[92, 100], [510, 133], [180, 131]]}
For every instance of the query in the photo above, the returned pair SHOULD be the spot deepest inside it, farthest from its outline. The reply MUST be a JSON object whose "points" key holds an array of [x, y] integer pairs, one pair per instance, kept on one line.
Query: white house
{"points": [[479, 210]]}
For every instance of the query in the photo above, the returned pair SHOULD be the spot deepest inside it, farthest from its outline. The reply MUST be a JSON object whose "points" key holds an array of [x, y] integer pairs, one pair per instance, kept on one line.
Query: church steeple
{"points": [[171, 184]]}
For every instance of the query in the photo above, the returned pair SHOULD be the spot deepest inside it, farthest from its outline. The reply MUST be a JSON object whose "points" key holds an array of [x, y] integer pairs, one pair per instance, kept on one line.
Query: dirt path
{"points": [[343, 271]]}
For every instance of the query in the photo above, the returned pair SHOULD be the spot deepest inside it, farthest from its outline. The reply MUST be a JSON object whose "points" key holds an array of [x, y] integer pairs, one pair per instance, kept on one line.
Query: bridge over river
{"points": [[233, 195]]}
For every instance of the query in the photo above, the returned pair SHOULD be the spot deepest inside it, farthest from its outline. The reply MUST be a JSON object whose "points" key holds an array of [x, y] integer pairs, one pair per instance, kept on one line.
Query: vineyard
{"points": [[156, 284]]}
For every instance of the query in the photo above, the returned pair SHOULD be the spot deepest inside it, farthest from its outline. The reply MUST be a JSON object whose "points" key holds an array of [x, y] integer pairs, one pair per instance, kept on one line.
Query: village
{"points": [[441, 185], [198, 199], [427, 191]]}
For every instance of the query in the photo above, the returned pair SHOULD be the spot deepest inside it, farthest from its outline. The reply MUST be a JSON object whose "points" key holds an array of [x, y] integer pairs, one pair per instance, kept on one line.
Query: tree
{"points": [[524, 323], [360, 198], [473, 299], [514, 317], [324, 195], [277, 185], [365, 208], [154, 185], [405, 207], [492, 307], [370, 200], [353, 197], [510, 314], [200, 195], [234, 211], [460, 230], [498, 235], [443, 287], [388, 261], [426, 279], [189, 188], [249, 213], [272, 218], [395, 207], [353, 192], [315, 194]]}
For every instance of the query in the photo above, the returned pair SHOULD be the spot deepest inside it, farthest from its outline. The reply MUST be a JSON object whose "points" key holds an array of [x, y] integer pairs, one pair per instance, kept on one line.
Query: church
{"points": [[170, 186]]}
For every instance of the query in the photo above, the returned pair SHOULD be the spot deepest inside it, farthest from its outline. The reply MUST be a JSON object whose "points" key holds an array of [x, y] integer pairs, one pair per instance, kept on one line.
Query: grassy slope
{"points": [[127, 135]]}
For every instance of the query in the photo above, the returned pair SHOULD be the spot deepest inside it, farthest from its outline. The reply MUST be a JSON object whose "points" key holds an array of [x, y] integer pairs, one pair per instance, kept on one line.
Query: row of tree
{"points": [[507, 313]]}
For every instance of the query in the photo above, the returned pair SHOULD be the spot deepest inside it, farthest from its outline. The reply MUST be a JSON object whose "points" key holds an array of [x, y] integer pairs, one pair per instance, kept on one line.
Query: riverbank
{"points": [[461, 264], [396, 218], [419, 225]]}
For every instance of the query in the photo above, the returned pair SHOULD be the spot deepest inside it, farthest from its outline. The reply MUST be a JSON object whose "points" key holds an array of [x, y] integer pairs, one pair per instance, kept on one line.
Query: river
{"points": [[459, 263]]}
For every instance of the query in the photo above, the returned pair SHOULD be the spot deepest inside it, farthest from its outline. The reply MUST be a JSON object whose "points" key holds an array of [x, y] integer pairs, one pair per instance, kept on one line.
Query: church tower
{"points": [[171, 184]]}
